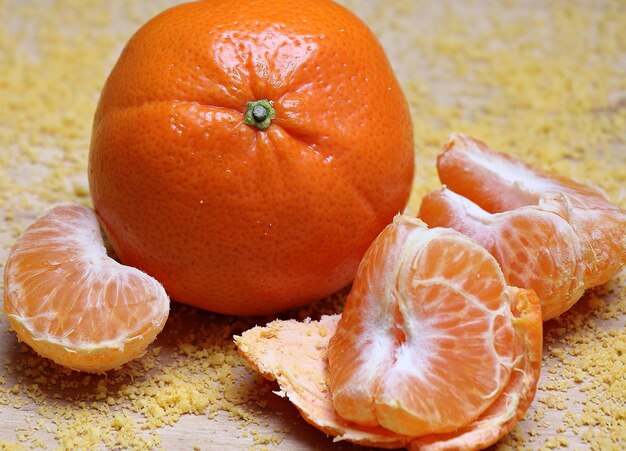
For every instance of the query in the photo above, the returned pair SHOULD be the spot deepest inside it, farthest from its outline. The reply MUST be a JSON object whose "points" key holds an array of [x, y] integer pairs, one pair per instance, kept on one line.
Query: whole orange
{"points": [[247, 153]]}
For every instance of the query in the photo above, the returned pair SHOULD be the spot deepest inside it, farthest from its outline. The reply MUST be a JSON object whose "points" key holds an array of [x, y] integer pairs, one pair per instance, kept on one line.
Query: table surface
{"points": [[545, 81]]}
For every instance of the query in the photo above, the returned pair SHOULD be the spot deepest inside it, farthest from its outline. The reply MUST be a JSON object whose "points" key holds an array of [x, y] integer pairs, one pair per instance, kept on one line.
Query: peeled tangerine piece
{"points": [[548, 233], [71, 302], [433, 349], [498, 183], [536, 248]]}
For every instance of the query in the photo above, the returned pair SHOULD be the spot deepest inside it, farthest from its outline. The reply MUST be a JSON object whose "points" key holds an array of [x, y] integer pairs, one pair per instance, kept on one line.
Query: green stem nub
{"points": [[259, 114]]}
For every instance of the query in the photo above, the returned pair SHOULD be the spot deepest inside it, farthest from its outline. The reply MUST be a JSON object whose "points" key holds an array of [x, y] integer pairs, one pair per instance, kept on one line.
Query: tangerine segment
{"points": [[511, 405], [498, 182], [378, 343], [423, 301], [294, 354], [71, 302], [536, 248]]}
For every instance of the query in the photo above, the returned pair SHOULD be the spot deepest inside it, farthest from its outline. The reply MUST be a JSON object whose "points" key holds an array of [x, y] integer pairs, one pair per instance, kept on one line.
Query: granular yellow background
{"points": [[543, 80]]}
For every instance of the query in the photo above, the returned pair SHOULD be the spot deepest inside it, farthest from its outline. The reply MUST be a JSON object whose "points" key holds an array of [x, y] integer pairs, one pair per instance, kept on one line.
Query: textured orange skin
{"points": [[227, 217]]}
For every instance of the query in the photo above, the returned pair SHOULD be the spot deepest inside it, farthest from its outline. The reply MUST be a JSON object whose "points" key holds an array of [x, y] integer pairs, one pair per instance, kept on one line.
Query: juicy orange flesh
{"points": [[451, 302], [63, 286], [293, 353], [512, 403], [72, 321], [536, 249], [539, 251]]}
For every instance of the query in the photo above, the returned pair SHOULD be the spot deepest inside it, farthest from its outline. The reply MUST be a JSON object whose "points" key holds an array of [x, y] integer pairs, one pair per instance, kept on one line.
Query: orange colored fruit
{"points": [[71, 302], [536, 249], [432, 351], [511, 405], [246, 155], [548, 233], [424, 301]]}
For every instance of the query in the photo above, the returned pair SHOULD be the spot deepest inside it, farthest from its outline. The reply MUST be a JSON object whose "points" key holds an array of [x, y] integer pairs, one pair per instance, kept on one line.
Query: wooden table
{"points": [[543, 80]]}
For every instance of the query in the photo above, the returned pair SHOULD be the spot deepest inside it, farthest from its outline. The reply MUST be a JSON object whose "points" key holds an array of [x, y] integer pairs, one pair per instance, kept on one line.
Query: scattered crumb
{"points": [[558, 101]]}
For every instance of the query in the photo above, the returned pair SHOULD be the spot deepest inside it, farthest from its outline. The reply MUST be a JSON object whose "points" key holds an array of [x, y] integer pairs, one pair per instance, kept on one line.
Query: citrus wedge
{"points": [[445, 352], [535, 247], [497, 182], [71, 302]]}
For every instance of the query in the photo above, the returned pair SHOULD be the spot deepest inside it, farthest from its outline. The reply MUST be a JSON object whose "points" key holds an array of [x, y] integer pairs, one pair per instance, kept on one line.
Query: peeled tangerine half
{"points": [[71, 302], [433, 350], [547, 232]]}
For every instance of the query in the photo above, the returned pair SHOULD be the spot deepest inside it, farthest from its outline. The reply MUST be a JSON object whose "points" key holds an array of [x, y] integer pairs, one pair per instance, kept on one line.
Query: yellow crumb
{"points": [[269, 333]]}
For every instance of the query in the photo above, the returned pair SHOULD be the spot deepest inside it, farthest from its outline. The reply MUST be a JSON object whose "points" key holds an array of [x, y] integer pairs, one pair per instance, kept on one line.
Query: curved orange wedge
{"points": [[447, 354], [74, 304], [425, 301], [537, 249], [498, 182]]}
